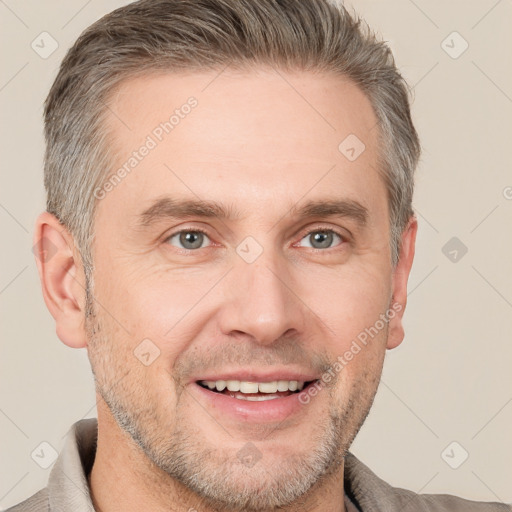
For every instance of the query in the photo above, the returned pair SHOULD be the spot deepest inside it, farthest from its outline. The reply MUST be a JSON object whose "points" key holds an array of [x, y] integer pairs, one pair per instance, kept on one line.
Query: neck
{"points": [[123, 478]]}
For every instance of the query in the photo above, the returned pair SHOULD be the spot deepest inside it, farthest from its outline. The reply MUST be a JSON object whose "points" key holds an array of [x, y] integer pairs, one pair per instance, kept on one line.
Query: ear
{"points": [[399, 283], [62, 278]]}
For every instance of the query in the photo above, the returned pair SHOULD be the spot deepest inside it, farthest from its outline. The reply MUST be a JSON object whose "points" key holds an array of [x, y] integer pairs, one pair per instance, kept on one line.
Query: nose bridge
{"points": [[260, 302]]}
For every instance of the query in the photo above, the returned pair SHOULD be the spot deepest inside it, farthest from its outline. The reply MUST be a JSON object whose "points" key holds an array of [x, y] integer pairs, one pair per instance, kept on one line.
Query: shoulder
{"points": [[67, 487], [411, 502], [372, 494], [36, 503]]}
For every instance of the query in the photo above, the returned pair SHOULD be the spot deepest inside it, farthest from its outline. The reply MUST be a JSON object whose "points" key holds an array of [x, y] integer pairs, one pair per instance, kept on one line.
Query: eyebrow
{"points": [[169, 208], [333, 208]]}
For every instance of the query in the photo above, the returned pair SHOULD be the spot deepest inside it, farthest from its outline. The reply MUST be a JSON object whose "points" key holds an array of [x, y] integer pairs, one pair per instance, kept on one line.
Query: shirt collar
{"points": [[68, 490]]}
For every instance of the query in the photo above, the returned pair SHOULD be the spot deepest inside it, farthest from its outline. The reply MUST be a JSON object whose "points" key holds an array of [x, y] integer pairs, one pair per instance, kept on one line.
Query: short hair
{"points": [[155, 36]]}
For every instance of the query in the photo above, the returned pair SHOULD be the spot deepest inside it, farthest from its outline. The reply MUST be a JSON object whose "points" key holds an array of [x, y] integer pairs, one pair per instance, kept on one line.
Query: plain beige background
{"points": [[449, 382]]}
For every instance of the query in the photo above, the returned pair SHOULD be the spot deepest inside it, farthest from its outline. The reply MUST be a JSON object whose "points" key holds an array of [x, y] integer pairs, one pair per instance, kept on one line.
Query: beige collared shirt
{"points": [[68, 490]]}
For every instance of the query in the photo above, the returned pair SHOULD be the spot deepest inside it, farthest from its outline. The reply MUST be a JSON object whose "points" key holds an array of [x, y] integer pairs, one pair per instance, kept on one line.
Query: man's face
{"points": [[270, 291]]}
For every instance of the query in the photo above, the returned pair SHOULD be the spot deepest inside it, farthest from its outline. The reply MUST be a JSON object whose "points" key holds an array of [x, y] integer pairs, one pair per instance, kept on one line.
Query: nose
{"points": [[260, 302]]}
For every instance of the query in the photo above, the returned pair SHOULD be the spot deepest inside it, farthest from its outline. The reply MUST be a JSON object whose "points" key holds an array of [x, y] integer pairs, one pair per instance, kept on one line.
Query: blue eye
{"points": [[188, 239], [322, 239]]}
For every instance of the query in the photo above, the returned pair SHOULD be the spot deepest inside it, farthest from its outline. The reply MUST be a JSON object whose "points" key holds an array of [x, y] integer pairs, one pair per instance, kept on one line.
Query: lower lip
{"points": [[277, 409]]}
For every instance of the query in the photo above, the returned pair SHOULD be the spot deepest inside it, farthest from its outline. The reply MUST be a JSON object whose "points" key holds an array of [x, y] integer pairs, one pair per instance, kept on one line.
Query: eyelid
{"points": [[189, 229], [345, 237], [183, 227]]}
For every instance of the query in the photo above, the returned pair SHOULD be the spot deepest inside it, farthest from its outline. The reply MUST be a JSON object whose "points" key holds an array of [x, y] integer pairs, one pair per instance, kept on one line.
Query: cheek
{"points": [[352, 305], [158, 304], [350, 302], [132, 375], [359, 376]]}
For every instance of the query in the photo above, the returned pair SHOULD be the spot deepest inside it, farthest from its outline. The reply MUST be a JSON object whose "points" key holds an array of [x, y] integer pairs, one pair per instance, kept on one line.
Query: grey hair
{"points": [[171, 35]]}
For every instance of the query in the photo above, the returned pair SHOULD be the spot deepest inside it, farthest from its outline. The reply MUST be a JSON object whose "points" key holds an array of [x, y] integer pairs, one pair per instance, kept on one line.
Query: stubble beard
{"points": [[219, 479]]}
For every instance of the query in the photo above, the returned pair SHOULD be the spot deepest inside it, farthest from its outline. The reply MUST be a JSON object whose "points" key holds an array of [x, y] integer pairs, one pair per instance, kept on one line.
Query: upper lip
{"points": [[263, 375]]}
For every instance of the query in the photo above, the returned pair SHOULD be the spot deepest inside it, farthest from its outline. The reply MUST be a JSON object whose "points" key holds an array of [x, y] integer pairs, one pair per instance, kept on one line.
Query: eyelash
{"points": [[342, 237], [316, 229], [191, 230]]}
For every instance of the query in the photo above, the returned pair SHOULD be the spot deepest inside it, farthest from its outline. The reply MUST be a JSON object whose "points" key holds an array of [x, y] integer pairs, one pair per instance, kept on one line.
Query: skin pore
{"points": [[253, 158]]}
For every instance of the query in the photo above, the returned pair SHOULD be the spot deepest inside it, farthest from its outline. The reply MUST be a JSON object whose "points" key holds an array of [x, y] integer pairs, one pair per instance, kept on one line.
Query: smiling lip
{"points": [[222, 406]]}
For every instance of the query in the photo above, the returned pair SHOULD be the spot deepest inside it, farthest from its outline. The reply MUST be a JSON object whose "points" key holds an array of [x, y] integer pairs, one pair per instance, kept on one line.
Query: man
{"points": [[229, 212]]}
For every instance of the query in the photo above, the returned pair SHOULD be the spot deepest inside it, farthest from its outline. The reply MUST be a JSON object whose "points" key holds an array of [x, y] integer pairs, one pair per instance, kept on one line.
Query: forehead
{"points": [[259, 137]]}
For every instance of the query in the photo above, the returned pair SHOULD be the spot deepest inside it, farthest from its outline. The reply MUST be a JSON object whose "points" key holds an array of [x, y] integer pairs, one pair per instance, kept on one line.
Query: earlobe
{"points": [[62, 279], [400, 278]]}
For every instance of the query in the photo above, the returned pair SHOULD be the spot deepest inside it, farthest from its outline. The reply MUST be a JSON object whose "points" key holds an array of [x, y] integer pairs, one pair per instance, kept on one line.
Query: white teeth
{"points": [[248, 387], [260, 398], [282, 385], [233, 385], [268, 387], [254, 387]]}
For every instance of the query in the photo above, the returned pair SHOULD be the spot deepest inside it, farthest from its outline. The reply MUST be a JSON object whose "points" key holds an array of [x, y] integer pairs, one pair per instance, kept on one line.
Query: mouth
{"points": [[258, 396], [255, 391]]}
